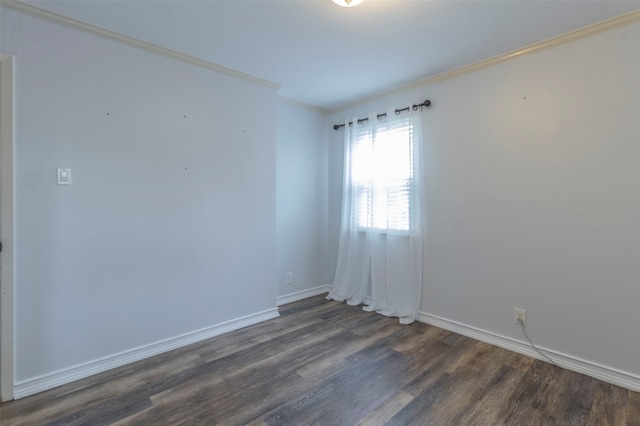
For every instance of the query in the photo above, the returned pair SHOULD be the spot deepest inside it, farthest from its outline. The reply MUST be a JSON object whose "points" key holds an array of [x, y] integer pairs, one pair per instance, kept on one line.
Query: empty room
{"points": [[331, 212]]}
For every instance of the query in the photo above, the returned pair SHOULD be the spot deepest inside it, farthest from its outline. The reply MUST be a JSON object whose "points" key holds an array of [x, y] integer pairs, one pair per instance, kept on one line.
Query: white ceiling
{"points": [[327, 56]]}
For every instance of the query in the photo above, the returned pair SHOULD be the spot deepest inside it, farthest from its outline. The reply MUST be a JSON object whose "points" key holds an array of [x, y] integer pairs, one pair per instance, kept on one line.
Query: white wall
{"points": [[301, 198], [533, 197], [169, 225]]}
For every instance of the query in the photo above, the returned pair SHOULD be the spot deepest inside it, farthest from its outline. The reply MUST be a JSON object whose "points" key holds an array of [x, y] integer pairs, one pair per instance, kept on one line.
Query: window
{"points": [[382, 175], [380, 251]]}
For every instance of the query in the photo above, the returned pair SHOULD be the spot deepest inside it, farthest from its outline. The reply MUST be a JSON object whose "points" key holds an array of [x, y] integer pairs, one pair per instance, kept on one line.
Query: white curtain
{"points": [[380, 252]]}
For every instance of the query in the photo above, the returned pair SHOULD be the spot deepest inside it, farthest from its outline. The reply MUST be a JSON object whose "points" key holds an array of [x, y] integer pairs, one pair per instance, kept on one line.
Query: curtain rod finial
{"points": [[425, 104]]}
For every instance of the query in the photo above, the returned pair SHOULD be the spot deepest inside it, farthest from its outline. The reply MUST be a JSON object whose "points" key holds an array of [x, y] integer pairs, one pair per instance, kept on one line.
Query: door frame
{"points": [[7, 342]]}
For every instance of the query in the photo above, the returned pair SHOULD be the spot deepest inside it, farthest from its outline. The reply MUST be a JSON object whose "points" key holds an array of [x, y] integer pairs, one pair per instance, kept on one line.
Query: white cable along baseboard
{"points": [[67, 375], [600, 372]]}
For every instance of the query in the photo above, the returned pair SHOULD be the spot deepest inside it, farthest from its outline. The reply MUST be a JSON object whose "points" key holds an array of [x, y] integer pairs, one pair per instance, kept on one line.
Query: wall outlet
{"points": [[520, 316], [289, 278]]}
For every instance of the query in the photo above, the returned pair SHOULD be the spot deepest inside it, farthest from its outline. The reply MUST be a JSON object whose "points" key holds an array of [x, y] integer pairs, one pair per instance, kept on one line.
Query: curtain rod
{"points": [[425, 104]]}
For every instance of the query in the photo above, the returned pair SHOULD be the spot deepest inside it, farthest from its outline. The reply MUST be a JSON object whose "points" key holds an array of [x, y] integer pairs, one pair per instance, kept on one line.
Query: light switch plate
{"points": [[64, 176]]}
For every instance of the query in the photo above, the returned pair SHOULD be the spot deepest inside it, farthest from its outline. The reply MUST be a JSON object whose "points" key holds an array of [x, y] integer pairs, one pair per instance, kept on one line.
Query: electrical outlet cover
{"points": [[519, 314]]}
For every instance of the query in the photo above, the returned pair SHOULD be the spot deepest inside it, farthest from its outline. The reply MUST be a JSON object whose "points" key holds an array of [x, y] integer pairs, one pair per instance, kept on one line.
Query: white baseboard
{"points": [[600, 372], [67, 375], [299, 295]]}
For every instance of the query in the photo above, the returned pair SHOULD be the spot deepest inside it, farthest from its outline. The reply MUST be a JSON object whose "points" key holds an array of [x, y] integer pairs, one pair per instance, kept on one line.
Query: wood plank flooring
{"points": [[324, 362]]}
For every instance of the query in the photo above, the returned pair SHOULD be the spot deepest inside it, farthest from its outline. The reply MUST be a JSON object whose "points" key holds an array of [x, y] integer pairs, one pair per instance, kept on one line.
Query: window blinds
{"points": [[382, 174]]}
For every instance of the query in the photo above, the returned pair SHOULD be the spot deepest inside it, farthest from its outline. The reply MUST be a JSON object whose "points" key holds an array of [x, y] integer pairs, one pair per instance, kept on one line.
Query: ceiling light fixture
{"points": [[347, 3]]}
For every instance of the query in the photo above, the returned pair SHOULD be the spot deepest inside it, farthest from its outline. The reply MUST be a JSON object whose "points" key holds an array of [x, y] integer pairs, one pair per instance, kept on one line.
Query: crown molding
{"points": [[303, 105], [619, 21], [588, 31], [112, 35]]}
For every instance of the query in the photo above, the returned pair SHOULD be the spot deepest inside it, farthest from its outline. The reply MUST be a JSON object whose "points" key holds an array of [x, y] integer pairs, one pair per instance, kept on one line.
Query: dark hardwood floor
{"points": [[324, 362]]}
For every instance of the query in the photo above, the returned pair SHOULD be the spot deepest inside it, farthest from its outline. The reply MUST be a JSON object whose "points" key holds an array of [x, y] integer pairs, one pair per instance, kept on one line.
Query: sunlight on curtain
{"points": [[380, 252]]}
